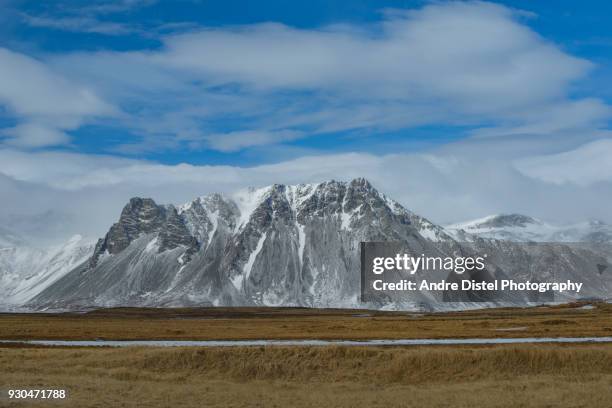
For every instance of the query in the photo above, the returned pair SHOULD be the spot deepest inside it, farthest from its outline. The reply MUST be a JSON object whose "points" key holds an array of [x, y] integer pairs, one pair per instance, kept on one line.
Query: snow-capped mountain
{"points": [[279, 245], [26, 270], [286, 246], [522, 228]]}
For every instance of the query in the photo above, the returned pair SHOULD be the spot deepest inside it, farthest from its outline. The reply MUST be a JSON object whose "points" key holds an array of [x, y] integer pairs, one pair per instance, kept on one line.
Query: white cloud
{"points": [[96, 17], [45, 102], [587, 165], [114, 6], [470, 64], [582, 115], [30, 88], [476, 52], [31, 135], [464, 181], [78, 24], [458, 63], [234, 141]]}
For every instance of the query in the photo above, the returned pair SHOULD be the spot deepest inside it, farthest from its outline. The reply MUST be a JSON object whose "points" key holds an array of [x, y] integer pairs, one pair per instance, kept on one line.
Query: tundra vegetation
{"points": [[525, 375]]}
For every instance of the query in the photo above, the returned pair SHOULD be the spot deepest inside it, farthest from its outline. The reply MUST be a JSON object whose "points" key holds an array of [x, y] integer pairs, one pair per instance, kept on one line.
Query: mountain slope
{"points": [[292, 246], [280, 245], [522, 228], [25, 270]]}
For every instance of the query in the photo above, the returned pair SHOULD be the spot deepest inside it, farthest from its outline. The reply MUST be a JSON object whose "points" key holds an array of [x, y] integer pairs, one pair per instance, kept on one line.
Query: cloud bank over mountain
{"points": [[69, 188], [458, 109]]}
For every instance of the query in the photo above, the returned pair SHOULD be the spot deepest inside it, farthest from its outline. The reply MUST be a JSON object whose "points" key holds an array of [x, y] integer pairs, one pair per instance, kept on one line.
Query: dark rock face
{"points": [[140, 215], [144, 216], [174, 233]]}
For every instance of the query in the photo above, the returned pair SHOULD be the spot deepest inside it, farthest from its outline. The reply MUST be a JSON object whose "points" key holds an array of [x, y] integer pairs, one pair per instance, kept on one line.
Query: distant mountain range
{"points": [[521, 228], [283, 245]]}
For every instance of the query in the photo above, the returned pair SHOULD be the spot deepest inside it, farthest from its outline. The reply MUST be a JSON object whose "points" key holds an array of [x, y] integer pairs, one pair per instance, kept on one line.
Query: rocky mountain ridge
{"points": [[286, 245], [279, 245]]}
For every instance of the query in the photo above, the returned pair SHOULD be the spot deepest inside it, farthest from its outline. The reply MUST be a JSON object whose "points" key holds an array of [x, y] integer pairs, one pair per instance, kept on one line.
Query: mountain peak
{"points": [[509, 220], [276, 245], [522, 228], [497, 221], [194, 223], [144, 216], [598, 224], [361, 182]]}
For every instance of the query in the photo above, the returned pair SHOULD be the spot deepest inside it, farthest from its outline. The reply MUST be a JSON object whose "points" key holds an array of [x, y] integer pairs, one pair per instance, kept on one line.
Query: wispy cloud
{"points": [[468, 64], [79, 24], [91, 17], [44, 103], [113, 6], [586, 165]]}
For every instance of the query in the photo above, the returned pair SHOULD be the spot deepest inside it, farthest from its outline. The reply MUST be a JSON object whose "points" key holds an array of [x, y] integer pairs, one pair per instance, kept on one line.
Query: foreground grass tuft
{"points": [[495, 376]]}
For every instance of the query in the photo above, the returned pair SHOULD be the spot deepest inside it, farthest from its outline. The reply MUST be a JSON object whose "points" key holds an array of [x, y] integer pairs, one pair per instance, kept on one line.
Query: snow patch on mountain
{"points": [[253, 256], [347, 216], [248, 200], [299, 194], [152, 246], [301, 242]]}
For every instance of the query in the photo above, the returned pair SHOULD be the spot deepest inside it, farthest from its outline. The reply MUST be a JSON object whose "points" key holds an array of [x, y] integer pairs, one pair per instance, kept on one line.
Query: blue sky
{"points": [[63, 34], [456, 109]]}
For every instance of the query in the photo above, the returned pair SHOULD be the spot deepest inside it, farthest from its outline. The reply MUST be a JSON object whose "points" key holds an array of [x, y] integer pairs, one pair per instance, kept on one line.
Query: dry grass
{"points": [[218, 324], [500, 376]]}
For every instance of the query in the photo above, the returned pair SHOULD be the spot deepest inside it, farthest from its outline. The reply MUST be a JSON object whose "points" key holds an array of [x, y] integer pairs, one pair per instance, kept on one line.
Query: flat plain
{"points": [[523, 375], [573, 320]]}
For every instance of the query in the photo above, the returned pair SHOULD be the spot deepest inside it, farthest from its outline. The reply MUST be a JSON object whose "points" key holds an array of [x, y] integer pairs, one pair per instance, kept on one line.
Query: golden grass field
{"points": [[527, 375], [501, 376], [262, 323]]}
